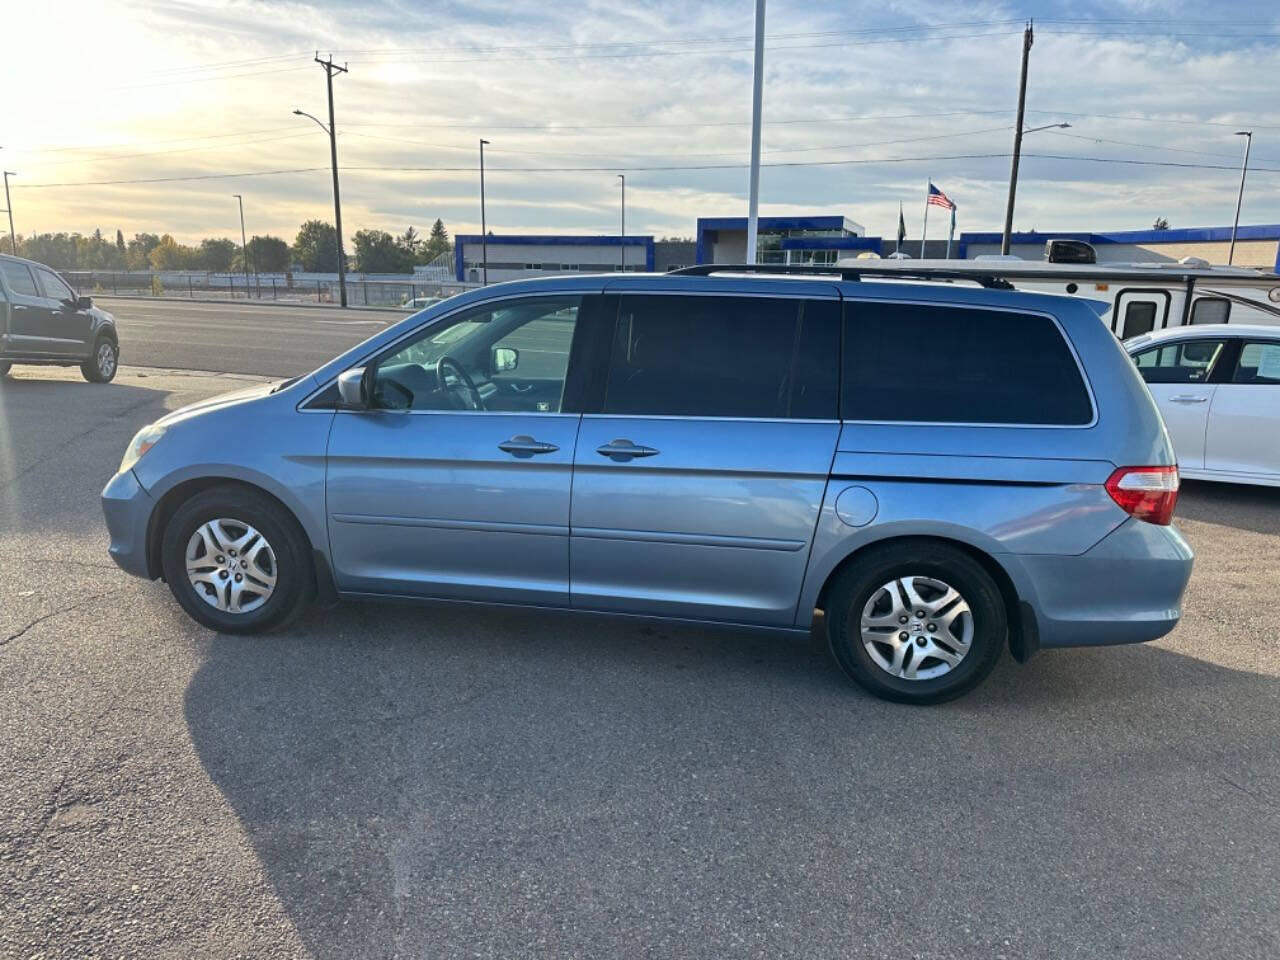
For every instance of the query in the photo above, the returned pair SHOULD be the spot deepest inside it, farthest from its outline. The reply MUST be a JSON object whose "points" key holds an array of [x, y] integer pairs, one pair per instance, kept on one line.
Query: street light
{"points": [[484, 233], [623, 246], [244, 247], [337, 201], [1244, 170], [1013, 172]]}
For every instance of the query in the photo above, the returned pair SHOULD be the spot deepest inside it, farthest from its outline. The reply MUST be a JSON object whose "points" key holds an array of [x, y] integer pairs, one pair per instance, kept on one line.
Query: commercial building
{"points": [[822, 239], [517, 257]]}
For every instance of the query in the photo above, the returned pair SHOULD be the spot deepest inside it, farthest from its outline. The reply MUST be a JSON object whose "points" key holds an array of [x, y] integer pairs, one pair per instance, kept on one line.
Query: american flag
{"points": [[939, 199]]}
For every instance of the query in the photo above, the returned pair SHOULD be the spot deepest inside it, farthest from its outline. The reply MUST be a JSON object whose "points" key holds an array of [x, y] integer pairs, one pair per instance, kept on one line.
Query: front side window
{"points": [[945, 364], [509, 357], [1187, 361], [724, 356], [54, 287], [1211, 310], [1259, 363], [19, 278]]}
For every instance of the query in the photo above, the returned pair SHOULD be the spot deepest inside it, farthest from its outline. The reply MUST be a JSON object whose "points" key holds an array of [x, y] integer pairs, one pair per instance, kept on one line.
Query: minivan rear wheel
{"points": [[916, 622], [236, 561]]}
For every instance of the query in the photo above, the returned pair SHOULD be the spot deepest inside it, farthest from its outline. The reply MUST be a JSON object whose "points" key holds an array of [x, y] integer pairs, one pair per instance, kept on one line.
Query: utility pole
{"points": [[330, 68], [757, 100], [1235, 225], [484, 234], [244, 247], [1028, 37], [8, 208], [623, 247]]}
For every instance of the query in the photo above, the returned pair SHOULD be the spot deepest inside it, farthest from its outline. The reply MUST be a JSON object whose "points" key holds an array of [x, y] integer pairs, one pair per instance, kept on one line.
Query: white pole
{"points": [[952, 232], [924, 230], [757, 98]]}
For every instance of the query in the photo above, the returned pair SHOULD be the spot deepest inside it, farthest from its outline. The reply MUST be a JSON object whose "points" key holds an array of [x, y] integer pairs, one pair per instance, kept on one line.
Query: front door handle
{"points": [[525, 446], [621, 450], [1189, 398]]}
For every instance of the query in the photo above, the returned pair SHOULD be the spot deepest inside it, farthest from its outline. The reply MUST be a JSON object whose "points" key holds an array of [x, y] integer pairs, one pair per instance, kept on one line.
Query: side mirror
{"points": [[351, 389], [503, 359], [84, 303]]}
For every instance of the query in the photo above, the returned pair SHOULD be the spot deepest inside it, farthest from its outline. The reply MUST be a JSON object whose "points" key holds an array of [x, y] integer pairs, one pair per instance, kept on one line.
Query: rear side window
{"points": [[19, 278], [1211, 310], [1259, 363], [712, 356], [940, 364]]}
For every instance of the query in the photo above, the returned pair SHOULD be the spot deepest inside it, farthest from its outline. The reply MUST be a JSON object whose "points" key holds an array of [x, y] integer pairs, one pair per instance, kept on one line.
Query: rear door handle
{"points": [[525, 446], [621, 450], [1189, 398]]}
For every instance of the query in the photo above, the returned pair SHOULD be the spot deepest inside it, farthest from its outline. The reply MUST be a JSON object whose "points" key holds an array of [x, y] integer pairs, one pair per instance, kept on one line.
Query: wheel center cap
{"points": [[917, 626]]}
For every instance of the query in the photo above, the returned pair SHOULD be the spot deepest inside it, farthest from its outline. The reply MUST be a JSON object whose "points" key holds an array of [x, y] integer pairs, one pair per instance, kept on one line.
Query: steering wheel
{"points": [[446, 364]]}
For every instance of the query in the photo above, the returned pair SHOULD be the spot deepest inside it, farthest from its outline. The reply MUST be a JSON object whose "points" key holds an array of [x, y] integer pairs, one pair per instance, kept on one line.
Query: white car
{"points": [[1218, 388]]}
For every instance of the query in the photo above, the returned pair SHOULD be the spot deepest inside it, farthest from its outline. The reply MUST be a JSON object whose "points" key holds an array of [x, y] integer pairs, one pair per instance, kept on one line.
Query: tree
{"points": [[316, 247], [58, 250], [376, 251], [267, 254], [437, 242], [1160, 224], [138, 253], [171, 255], [215, 254], [410, 241], [120, 243]]}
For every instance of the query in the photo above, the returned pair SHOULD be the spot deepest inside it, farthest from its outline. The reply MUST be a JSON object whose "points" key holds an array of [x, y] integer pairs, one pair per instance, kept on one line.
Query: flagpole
{"points": [[952, 232], [897, 247], [924, 230]]}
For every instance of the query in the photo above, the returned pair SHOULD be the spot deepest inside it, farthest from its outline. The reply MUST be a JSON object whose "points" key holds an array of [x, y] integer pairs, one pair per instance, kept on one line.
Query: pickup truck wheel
{"points": [[237, 561], [5, 367], [103, 362], [916, 622]]}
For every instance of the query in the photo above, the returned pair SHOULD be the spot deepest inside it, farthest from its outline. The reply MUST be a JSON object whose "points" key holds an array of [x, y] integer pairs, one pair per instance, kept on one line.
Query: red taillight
{"points": [[1148, 493]]}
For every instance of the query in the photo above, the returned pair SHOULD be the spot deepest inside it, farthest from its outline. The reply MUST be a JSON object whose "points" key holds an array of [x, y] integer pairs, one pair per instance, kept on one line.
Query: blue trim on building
{"points": [[1264, 231], [549, 240], [711, 225]]}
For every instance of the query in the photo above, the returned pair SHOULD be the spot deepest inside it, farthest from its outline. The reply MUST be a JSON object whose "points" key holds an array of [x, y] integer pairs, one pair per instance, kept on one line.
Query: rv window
{"points": [[1139, 318], [1211, 310]]}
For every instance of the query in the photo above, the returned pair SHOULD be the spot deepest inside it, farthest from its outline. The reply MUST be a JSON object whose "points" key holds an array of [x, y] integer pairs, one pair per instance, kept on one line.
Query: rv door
{"points": [[1138, 311]]}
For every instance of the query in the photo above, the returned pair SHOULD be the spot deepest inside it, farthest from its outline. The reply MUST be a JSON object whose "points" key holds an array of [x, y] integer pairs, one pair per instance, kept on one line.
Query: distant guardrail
{"points": [[284, 288]]}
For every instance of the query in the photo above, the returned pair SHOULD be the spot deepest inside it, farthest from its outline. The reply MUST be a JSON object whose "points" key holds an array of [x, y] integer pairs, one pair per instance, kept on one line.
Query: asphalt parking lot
{"points": [[390, 781]]}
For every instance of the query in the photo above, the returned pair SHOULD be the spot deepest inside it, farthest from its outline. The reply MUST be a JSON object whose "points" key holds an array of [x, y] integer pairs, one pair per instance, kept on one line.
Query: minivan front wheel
{"points": [[916, 622], [236, 561], [102, 363]]}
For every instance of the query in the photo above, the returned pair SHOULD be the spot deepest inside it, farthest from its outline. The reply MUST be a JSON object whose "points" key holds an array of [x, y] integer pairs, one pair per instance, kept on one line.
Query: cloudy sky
{"points": [[863, 102]]}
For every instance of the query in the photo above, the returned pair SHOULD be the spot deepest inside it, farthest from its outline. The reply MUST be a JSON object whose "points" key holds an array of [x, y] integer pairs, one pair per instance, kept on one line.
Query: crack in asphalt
{"points": [[54, 613]]}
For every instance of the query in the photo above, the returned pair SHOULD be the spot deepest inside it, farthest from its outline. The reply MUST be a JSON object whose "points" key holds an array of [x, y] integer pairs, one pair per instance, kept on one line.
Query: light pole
{"points": [[623, 247], [757, 99], [484, 233], [330, 68], [244, 247], [8, 207], [1244, 170], [1013, 173]]}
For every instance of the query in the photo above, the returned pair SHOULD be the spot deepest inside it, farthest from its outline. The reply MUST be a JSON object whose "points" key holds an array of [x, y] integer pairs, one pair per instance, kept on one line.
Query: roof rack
{"points": [[990, 281]]}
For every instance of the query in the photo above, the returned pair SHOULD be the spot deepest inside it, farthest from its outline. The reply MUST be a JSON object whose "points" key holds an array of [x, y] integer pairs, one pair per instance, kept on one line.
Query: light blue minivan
{"points": [[940, 469]]}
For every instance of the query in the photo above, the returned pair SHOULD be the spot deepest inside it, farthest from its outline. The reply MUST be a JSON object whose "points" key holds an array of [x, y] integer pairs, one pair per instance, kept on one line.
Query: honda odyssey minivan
{"points": [[942, 470]]}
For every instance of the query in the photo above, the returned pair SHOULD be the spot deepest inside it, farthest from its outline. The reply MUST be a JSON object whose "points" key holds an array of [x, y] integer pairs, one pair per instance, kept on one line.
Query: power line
{"points": [[162, 153]]}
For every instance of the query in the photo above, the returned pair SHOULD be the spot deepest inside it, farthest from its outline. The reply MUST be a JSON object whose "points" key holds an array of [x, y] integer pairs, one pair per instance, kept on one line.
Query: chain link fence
{"points": [[280, 288]]}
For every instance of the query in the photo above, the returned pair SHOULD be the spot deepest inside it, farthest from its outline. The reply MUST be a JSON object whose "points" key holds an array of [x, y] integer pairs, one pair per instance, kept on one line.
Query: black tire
{"points": [[100, 368], [295, 575], [879, 566], [5, 367]]}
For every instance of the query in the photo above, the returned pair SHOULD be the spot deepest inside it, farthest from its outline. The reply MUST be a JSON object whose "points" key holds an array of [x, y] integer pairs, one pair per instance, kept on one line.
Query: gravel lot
{"points": [[384, 781]]}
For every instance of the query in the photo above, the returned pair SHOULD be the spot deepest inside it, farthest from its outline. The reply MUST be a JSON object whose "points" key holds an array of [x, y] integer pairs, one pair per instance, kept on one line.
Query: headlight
{"points": [[142, 441]]}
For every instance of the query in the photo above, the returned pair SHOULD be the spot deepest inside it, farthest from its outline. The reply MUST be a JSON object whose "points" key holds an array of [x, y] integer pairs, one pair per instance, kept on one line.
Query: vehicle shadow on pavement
{"points": [[1252, 508], [60, 441], [452, 781]]}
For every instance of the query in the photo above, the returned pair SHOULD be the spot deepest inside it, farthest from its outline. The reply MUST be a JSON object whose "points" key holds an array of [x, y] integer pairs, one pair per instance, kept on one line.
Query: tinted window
{"points": [[1211, 310], [19, 278], [1139, 318], [933, 364], [1188, 361], [712, 356], [54, 287], [1259, 363]]}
